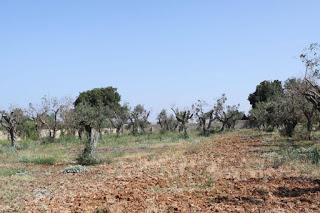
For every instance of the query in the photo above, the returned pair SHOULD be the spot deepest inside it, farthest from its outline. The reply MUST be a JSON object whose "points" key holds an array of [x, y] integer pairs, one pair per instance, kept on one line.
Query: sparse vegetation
{"points": [[5, 172], [140, 160]]}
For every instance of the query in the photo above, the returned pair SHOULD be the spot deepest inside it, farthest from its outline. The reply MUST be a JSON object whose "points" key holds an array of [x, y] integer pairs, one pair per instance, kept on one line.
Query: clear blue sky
{"points": [[159, 53]]}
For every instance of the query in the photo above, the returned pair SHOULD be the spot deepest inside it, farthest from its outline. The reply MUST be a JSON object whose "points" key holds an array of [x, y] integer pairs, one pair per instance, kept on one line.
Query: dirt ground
{"points": [[225, 173]]}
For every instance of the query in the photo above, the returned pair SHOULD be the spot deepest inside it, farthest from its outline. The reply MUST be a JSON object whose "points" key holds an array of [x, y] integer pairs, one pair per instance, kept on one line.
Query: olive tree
{"points": [[296, 88], [264, 116], [10, 121], [120, 118], [311, 59], [47, 115], [204, 117], [93, 109], [226, 114], [167, 122], [265, 91], [280, 112], [287, 114], [183, 117], [138, 119]]}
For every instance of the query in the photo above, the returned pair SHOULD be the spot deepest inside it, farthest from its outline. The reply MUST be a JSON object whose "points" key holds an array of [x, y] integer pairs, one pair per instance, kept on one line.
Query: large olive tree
{"points": [[93, 109]]}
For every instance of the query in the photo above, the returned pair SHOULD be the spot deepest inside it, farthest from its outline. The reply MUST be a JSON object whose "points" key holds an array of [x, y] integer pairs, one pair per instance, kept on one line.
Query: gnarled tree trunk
{"points": [[91, 145], [12, 137]]}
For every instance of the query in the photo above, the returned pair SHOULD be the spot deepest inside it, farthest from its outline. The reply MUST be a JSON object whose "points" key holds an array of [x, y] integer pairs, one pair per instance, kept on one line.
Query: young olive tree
{"points": [[168, 123], [138, 119], [93, 109], [183, 117]]}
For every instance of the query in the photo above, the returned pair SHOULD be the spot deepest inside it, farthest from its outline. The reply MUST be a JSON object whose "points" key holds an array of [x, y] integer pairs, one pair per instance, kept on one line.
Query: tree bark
{"points": [[309, 127], [91, 145], [12, 137]]}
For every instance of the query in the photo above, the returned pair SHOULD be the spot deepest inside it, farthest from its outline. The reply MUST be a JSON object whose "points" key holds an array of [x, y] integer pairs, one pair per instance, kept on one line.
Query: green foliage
{"points": [[281, 110], [265, 91], [100, 96], [95, 107]]}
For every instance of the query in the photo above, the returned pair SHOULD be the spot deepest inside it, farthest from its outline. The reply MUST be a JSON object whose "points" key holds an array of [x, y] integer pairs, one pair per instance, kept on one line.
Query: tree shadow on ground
{"points": [[298, 190]]}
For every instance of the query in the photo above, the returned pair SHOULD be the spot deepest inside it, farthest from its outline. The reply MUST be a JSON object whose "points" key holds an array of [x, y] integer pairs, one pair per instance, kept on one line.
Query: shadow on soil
{"points": [[296, 191]]}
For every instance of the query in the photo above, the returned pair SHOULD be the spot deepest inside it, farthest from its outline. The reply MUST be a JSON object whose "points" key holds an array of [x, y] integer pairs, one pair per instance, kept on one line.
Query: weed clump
{"points": [[74, 169]]}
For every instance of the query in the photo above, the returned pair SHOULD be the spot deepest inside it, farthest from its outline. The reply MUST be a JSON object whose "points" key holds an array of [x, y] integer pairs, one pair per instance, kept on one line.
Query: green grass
{"points": [[42, 160], [143, 140], [5, 172], [66, 150], [281, 151]]}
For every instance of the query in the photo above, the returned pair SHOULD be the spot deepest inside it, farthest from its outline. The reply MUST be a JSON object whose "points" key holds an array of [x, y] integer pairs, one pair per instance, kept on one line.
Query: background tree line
{"points": [[101, 108], [285, 105]]}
